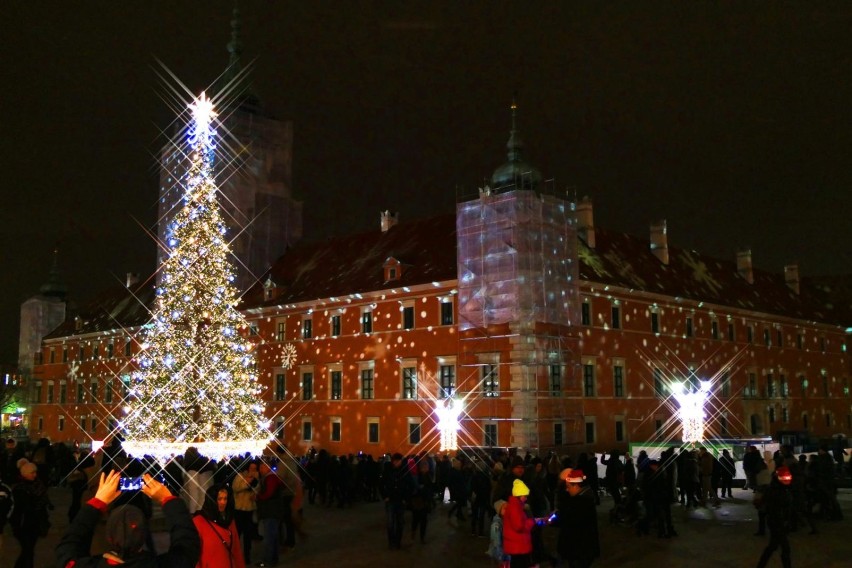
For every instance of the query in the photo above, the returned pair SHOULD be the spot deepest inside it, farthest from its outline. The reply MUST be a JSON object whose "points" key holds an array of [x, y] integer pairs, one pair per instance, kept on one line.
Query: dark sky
{"points": [[733, 121]]}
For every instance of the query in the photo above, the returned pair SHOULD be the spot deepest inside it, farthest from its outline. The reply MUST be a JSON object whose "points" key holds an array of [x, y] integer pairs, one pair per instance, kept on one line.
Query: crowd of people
{"points": [[223, 513]]}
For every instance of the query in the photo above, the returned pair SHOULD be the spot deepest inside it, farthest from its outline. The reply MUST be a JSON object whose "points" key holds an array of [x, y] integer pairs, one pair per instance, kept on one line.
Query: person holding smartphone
{"points": [[578, 543], [127, 530]]}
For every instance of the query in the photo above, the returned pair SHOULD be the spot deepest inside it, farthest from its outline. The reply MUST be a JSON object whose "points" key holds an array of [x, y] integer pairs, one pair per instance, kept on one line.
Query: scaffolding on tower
{"points": [[519, 309]]}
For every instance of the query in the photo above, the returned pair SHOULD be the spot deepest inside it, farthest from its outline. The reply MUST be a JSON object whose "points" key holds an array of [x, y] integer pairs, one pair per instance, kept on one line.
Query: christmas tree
{"points": [[196, 383]]}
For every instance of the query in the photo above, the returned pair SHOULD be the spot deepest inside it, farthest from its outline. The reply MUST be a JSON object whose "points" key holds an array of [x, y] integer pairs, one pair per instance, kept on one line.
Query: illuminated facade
{"points": [[553, 333]]}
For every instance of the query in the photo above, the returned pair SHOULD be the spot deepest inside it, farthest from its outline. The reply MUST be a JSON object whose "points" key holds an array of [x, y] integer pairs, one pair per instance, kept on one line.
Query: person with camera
{"points": [[127, 530]]}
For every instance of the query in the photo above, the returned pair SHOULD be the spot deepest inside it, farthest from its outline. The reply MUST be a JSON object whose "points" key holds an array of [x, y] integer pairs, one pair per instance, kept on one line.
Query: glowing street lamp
{"points": [[691, 412], [448, 423]]}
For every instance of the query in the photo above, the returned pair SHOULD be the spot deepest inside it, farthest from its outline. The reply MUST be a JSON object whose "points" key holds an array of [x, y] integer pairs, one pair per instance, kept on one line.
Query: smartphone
{"points": [[130, 483], [135, 483]]}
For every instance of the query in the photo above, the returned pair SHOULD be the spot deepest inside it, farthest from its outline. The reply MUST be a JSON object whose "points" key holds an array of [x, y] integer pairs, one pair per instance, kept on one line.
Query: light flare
{"points": [[691, 412]]}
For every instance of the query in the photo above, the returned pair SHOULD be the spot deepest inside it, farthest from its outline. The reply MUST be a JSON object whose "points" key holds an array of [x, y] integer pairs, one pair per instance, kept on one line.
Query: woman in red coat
{"points": [[220, 544], [517, 527]]}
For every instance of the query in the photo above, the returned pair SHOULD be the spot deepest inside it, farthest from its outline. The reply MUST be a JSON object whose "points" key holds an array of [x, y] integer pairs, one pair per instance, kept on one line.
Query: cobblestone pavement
{"points": [[355, 536]]}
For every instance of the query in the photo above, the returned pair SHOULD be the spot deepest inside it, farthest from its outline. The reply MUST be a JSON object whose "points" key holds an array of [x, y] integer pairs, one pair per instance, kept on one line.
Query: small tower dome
{"points": [[517, 173]]}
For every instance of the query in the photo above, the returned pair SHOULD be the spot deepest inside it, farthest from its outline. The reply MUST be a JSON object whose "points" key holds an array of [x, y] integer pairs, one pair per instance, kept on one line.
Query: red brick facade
{"points": [[354, 356]]}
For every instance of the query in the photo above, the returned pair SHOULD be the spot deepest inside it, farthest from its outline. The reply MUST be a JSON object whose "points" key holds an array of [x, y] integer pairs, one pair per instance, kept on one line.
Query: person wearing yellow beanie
{"points": [[518, 526]]}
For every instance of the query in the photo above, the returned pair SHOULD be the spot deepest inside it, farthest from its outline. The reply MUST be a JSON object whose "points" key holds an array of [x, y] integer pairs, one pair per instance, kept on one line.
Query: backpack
{"points": [[495, 546]]}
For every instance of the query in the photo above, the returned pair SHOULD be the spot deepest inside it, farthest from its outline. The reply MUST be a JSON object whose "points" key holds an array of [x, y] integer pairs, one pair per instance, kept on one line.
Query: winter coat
{"points": [[397, 484], [220, 547], [184, 547], [538, 502], [727, 464], [30, 514], [614, 471], [480, 486], [517, 528], [270, 500], [751, 461], [422, 498], [778, 504], [458, 482], [578, 527], [244, 492], [690, 471], [705, 464]]}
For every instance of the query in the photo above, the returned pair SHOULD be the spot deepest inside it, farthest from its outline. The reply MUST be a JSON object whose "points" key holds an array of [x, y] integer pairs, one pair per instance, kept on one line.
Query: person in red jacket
{"points": [[220, 543], [517, 527]]}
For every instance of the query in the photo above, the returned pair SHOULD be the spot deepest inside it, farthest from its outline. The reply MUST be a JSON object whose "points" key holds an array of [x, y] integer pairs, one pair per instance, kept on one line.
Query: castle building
{"points": [[550, 332]]}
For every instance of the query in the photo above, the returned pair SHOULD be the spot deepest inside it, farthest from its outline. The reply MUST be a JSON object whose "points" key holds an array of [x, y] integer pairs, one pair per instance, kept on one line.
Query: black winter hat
{"points": [[126, 530]]}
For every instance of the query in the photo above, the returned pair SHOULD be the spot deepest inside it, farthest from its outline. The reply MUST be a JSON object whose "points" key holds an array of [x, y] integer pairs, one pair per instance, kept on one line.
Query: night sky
{"points": [[731, 121]]}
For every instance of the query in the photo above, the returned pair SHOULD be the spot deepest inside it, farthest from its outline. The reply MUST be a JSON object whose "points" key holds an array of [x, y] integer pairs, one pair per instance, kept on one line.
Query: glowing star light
{"points": [[691, 412], [448, 423], [203, 114]]}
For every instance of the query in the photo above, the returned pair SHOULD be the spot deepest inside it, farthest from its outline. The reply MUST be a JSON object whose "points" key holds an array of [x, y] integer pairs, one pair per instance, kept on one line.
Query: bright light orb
{"points": [[691, 412], [448, 423]]}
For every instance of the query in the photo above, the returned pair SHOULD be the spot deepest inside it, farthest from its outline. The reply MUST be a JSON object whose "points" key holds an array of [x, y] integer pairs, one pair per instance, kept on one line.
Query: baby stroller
{"points": [[631, 512]]}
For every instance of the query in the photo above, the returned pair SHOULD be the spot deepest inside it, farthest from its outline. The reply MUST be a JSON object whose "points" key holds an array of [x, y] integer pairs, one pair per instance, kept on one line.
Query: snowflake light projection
{"points": [[288, 355], [448, 423], [196, 384], [691, 411]]}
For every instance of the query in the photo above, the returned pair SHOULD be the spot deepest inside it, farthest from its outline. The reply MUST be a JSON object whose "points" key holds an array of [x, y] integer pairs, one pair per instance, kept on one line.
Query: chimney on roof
{"points": [[586, 221], [744, 267], [132, 278], [660, 241], [389, 220], [791, 277]]}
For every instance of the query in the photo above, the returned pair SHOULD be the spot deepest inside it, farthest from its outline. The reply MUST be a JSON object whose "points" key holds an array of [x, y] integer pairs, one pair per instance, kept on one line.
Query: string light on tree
{"points": [[196, 383], [448, 423], [691, 411]]}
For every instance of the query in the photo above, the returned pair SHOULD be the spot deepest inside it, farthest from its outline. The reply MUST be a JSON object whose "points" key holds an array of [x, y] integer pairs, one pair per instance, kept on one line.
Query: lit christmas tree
{"points": [[196, 384]]}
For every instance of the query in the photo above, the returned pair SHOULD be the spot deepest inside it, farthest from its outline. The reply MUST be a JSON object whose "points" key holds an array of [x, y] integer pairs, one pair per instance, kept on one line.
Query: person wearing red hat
{"points": [[517, 527], [778, 503], [578, 543]]}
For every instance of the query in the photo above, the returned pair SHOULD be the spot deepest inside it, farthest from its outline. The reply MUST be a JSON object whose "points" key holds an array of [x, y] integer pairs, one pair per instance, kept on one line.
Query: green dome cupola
{"points": [[517, 173]]}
